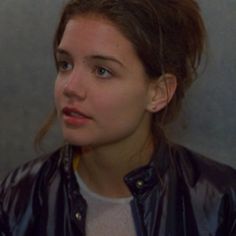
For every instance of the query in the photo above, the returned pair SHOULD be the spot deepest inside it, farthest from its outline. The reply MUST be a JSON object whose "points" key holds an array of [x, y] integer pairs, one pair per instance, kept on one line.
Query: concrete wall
{"points": [[206, 124]]}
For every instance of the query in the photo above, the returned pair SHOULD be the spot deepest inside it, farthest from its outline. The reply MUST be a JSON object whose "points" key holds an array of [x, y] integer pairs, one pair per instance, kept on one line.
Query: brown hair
{"points": [[168, 36]]}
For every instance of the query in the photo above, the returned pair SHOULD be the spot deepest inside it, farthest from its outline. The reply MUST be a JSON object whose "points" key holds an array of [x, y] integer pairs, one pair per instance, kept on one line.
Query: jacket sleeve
{"points": [[233, 229], [16, 190], [227, 214], [232, 213], [3, 225], [3, 217]]}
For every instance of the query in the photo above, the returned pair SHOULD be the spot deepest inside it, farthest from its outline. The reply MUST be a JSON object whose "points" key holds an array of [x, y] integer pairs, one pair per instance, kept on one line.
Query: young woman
{"points": [[123, 68]]}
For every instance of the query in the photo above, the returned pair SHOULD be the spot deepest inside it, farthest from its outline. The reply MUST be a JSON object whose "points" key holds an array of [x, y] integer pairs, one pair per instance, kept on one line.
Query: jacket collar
{"points": [[143, 179]]}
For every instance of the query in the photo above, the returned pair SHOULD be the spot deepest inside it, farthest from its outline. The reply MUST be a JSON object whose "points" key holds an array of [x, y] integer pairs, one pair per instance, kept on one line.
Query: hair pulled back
{"points": [[167, 35]]}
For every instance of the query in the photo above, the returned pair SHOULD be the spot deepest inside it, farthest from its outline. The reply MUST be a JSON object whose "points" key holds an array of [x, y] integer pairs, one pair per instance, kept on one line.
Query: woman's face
{"points": [[101, 91]]}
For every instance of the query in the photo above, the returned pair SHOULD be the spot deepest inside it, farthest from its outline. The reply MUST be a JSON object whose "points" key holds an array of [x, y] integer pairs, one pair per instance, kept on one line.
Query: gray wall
{"points": [[206, 124]]}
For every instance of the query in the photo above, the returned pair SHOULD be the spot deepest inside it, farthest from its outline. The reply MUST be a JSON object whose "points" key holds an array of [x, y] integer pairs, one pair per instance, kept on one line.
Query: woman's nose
{"points": [[74, 87]]}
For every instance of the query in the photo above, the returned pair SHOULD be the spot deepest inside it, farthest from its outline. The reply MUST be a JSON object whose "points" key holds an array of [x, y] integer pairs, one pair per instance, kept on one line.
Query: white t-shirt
{"points": [[107, 216]]}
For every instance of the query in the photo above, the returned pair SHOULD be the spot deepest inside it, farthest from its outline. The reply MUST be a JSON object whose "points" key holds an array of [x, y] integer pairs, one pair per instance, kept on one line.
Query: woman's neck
{"points": [[104, 168]]}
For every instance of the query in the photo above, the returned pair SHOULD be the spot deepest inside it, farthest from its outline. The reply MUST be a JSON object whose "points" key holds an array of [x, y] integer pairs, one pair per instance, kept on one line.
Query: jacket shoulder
{"points": [[197, 167], [19, 188], [22, 180], [211, 186]]}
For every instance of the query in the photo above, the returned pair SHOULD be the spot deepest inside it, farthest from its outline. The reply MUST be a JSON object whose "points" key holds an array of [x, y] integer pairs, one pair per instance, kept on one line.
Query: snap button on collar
{"points": [[139, 183], [78, 216]]}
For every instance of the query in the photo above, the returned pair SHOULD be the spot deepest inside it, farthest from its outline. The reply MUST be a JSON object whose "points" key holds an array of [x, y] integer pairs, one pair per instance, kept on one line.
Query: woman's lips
{"points": [[74, 117]]}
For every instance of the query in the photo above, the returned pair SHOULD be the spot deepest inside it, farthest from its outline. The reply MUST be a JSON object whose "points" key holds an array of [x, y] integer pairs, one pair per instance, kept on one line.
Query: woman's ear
{"points": [[161, 92]]}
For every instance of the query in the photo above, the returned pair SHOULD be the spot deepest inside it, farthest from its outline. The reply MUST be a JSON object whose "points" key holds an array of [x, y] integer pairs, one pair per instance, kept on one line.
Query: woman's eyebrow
{"points": [[105, 58], [60, 51]]}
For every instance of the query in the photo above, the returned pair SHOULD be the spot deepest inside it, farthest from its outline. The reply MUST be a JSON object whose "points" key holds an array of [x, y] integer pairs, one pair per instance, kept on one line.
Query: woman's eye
{"points": [[102, 72], [64, 66]]}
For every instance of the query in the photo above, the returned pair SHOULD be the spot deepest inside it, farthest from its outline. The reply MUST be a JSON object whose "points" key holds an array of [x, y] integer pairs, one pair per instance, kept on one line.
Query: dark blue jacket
{"points": [[178, 193]]}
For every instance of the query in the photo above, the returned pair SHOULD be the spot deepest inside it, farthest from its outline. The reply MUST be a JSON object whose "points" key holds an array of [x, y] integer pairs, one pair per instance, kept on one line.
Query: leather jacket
{"points": [[178, 193]]}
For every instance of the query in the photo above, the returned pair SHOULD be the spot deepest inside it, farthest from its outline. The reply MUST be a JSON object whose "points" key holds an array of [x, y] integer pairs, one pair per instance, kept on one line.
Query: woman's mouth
{"points": [[74, 117]]}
